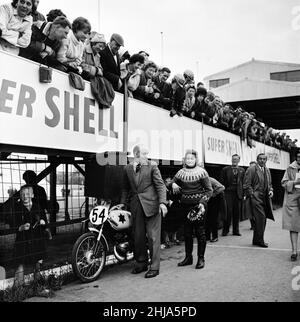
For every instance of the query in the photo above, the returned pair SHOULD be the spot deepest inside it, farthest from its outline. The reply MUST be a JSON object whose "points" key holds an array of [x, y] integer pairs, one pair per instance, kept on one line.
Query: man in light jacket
{"points": [[148, 199]]}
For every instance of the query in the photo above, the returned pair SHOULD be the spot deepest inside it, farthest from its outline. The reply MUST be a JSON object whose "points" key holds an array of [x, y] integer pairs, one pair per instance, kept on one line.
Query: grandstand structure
{"points": [[68, 129], [270, 89]]}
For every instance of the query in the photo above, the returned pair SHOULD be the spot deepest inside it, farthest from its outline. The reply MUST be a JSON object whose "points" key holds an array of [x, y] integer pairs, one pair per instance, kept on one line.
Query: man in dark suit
{"points": [[232, 178], [110, 61], [163, 98], [259, 191], [147, 191]]}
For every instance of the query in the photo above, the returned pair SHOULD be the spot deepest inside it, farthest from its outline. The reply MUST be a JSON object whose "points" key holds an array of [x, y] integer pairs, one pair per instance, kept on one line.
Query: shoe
{"points": [[151, 274], [186, 262], [138, 270], [215, 240], [200, 263], [224, 234], [237, 234], [294, 257], [262, 245]]}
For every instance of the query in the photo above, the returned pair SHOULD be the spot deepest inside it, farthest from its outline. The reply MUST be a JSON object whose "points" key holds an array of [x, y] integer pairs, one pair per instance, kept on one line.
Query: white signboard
{"points": [[167, 138], [278, 160], [220, 146], [55, 115]]}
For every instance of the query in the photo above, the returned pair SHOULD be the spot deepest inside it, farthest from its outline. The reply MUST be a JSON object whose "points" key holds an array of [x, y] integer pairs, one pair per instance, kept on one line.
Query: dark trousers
{"points": [[212, 217], [191, 228], [259, 220], [234, 205], [144, 227]]}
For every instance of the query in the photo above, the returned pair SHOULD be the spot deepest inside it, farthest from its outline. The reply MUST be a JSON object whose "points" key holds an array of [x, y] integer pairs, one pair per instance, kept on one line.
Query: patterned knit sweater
{"points": [[194, 185]]}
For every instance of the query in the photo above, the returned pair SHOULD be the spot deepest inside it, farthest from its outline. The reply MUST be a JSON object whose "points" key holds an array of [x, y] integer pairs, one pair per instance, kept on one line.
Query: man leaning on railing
{"points": [[15, 25], [46, 40]]}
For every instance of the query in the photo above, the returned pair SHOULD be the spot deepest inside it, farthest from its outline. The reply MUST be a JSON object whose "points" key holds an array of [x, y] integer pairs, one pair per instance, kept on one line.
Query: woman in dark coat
{"points": [[30, 222]]}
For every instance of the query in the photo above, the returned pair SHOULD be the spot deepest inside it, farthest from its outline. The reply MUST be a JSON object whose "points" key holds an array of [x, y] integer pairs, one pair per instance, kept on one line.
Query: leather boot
{"points": [[187, 261], [200, 263]]}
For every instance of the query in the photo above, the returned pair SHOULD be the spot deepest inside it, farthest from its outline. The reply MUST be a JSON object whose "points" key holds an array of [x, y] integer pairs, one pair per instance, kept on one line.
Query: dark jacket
{"points": [[102, 91], [178, 99], [39, 39], [37, 16], [111, 69], [140, 93], [257, 186], [227, 178], [30, 245], [201, 111], [150, 189], [165, 90], [217, 187]]}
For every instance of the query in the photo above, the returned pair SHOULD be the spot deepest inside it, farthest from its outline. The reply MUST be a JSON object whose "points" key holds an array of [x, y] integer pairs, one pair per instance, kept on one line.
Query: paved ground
{"points": [[235, 271]]}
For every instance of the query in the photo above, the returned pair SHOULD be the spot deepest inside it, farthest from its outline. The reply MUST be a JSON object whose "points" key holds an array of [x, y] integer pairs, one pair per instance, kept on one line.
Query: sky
{"points": [[206, 36], [217, 34]]}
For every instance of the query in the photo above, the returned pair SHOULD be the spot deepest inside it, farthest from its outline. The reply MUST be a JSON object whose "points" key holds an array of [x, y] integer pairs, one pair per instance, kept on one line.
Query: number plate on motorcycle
{"points": [[99, 215]]}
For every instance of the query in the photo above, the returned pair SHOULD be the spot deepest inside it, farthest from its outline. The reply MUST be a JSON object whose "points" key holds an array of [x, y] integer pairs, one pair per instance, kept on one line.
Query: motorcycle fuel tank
{"points": [[120, 219]]}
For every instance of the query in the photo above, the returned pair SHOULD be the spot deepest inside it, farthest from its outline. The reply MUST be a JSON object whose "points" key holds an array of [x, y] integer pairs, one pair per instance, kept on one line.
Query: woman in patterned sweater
{"points": [[193, 183]]}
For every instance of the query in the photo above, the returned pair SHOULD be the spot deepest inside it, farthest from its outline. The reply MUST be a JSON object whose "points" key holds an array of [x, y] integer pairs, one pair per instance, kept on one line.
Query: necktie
{"points": [[266, 183], [138, 168]]}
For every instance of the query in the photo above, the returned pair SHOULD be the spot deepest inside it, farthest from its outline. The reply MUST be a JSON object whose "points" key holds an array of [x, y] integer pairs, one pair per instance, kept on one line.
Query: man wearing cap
{"points": [[189, 78], [110, 61], [178, 96], [91, 56]]}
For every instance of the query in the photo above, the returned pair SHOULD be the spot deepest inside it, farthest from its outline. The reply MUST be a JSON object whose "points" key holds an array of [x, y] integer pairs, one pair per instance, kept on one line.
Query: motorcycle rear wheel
{"points": [[87, 265]]}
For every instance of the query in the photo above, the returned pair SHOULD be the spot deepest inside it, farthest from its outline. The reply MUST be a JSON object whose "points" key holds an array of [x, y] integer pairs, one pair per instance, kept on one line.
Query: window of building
{"points": [[218, 82], [290, 76]]}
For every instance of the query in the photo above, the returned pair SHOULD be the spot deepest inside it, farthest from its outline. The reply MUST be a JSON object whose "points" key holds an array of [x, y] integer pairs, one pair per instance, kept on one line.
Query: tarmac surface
{"points": [[235, 272]]}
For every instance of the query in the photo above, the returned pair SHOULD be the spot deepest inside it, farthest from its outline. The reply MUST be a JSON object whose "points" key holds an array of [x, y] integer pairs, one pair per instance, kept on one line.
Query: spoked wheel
{"points": [[88, 258]]}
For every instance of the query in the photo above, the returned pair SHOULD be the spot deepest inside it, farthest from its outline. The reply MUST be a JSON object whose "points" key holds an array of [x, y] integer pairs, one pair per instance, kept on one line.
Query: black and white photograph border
{"points": [[149, 153]]}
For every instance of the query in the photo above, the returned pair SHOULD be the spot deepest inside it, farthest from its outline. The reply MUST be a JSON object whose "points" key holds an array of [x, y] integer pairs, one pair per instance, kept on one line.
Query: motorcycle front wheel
{"points": [[88, 258]]}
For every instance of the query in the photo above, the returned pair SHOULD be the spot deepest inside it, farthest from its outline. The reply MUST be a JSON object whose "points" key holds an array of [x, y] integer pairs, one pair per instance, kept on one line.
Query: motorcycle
{"points": [[109, 233]]}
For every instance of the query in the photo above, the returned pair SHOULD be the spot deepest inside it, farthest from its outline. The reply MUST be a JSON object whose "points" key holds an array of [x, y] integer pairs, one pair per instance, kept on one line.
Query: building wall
{"points": [[253, 70], [246, 90]]}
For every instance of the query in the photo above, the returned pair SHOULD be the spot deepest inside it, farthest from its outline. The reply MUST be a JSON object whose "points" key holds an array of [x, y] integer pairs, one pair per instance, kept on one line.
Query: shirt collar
{"points": [[73, 38], [111, 50], [46, 30], [88, 49]]}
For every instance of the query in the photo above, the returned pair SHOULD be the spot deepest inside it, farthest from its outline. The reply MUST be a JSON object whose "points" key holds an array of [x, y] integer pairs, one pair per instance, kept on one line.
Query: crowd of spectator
{"points": [[74, 48]]}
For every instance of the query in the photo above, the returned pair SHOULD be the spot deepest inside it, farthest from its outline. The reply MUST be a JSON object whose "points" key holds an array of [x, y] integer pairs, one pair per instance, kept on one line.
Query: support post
{"points": [[125, 118], [67, 215], [53, 200]]}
